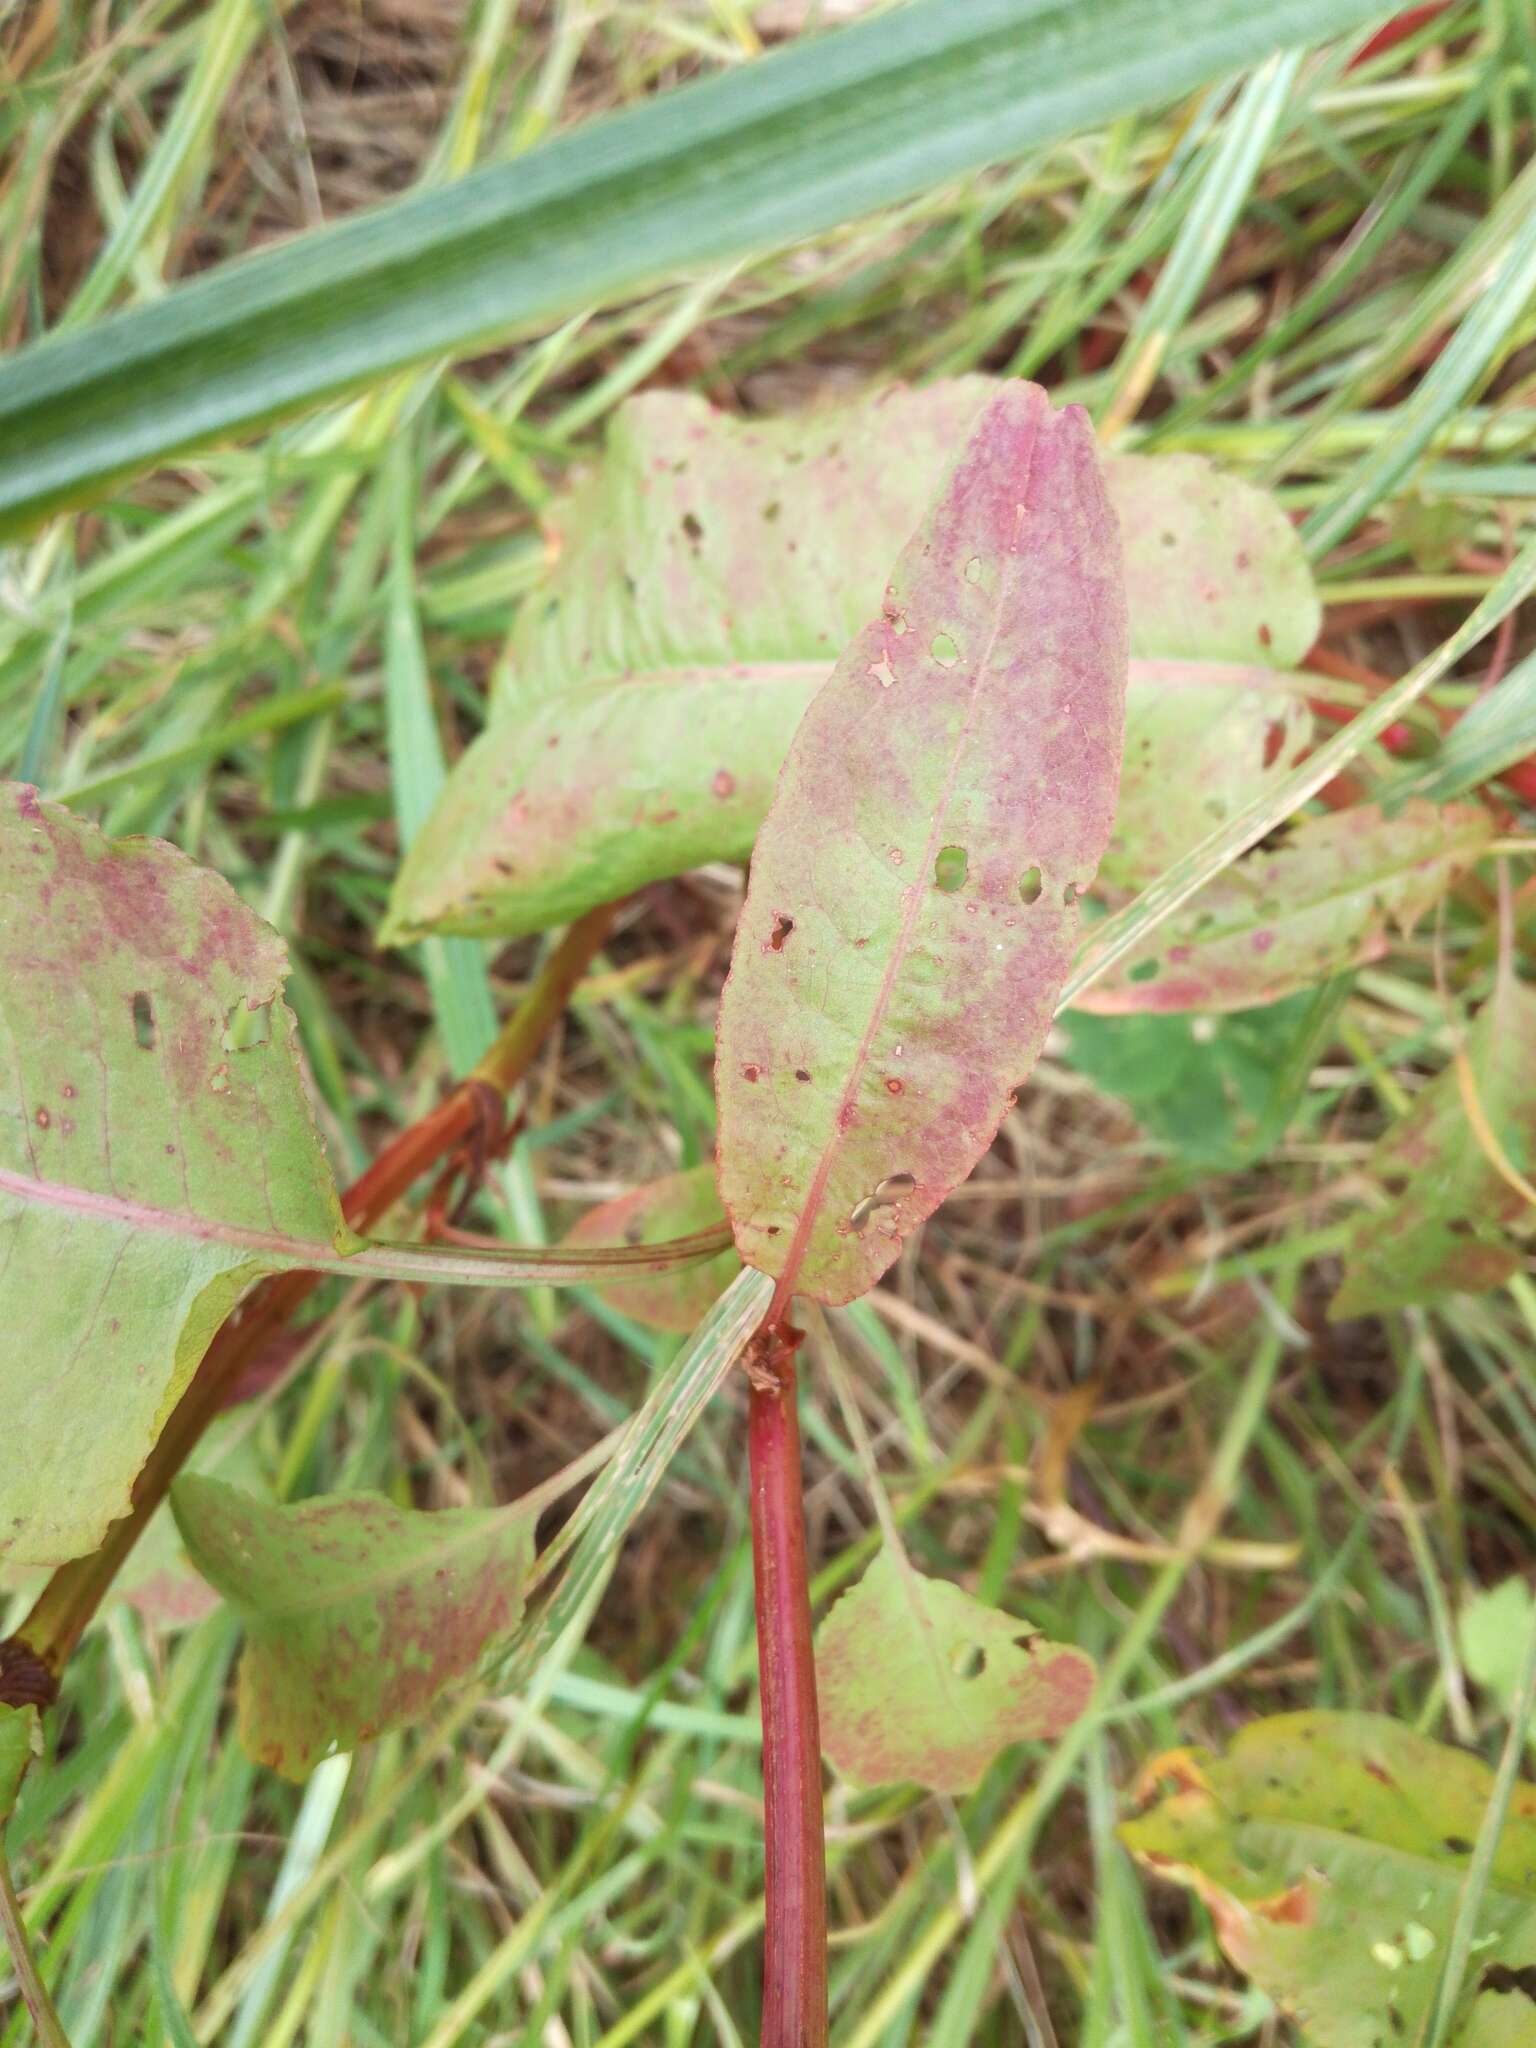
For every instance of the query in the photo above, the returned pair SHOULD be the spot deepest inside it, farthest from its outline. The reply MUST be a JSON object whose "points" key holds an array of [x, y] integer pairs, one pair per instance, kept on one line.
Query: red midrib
{"points": [[794, 1258]]}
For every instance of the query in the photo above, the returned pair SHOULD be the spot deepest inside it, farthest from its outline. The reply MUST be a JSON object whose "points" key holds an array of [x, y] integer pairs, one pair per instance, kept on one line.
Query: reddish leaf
{"points": [[662, 1209], [922, 1684], [912, 908]]}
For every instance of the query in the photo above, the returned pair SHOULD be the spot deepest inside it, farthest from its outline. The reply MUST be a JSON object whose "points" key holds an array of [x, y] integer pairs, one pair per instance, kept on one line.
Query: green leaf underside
{"points": [[667, 1208], [1331, 1850], [1449, 1227], [126, 966], [705, 575], [359, 1615], [1280, 920], [921, 1684], [912, 906]]}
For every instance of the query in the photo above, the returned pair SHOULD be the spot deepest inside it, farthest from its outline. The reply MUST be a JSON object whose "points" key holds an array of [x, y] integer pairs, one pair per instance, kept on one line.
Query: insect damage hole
{"points": [[950, 868], [968, 1660], [1029, 886], [144, 1032], [944, 650], [782, 927], [247, 1026], [973, 569], [885, 1196]]}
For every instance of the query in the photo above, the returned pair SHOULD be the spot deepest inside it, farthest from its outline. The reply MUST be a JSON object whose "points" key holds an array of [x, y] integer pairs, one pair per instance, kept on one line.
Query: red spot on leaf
{"points": [[724, 784], [893, 1086]]}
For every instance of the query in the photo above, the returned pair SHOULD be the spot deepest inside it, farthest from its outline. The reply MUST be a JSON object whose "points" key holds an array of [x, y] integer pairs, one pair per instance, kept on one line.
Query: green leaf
{"points": [[672, 1207], [921, 1684], [1492, 1631], [761, 155], [151, 1073], [1448, 1226], [705, 574], [1215, 1091], [913, 899], [359, 1615], [1331, 1850], [1287, 916]]}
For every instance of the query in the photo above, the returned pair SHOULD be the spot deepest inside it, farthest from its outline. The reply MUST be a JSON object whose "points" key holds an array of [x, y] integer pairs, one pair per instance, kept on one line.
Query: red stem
{"points": [[795, 1946]]}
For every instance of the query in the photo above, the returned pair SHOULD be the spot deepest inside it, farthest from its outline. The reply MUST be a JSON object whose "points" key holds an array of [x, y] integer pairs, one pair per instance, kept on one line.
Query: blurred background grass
{"points": [[1111, 1341]]}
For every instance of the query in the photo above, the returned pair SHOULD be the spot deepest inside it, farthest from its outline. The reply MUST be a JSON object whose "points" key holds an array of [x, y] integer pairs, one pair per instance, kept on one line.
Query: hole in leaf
{"points": [[1069, 894], [944, 650], [693, 527], [782, 927], [751, 1073], [973, 569], [1029, 886], [772, 510], [802, 1074], [1170, 540], [968, 1660], [245, 1028], [143, 1022], [885, 1196], [1144, 970], [950, 867]]}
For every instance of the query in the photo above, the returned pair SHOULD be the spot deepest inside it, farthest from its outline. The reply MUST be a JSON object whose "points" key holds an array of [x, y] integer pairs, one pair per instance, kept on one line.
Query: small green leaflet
{"points": [[359, 1615], [922, 1684], [913, 899], [1454, 1224], [1331, 1850]]}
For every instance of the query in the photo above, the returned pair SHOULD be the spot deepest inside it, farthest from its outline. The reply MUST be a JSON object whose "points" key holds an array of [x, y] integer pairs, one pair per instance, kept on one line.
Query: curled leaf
{"points": [[913, 898], [1331, 1850], [1287, 916], [359, 1615], [671, 1207], [921, 1684]]}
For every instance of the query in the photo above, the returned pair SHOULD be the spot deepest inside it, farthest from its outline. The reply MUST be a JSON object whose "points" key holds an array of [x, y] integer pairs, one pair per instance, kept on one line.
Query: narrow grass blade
{"points": [[759, 156]]}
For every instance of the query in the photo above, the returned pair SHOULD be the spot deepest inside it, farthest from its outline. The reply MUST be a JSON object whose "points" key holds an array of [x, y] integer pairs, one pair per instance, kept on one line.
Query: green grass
{"points": [[1322, 276]]}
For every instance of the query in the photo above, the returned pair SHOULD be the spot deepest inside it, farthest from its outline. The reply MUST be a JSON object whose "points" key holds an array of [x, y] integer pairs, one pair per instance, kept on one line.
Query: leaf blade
{"points": [[836, 1067], [920, 1683]]}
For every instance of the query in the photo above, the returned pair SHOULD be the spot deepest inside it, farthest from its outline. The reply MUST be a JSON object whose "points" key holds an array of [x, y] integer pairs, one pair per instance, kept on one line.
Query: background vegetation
{"points": [[1105, 1385]]}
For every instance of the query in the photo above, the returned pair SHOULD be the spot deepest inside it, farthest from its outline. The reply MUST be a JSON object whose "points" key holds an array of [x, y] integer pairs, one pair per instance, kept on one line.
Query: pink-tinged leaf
{"points": [[673, 1207], [1288, 916], [703, 577], [921, 1684], [359, 1615], [913, 899], [157, 1152], [1203, 739], [1213, 568], [1451, 1225]]}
